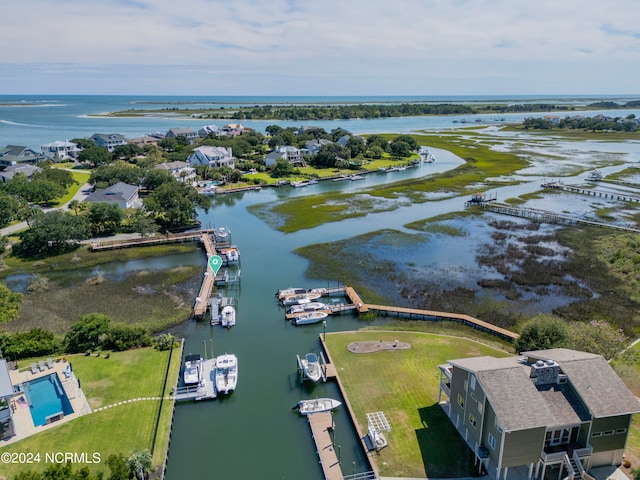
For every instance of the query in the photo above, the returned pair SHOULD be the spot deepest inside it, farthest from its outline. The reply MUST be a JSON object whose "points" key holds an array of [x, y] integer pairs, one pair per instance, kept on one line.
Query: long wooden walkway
{"points": [[593, 192], [321, 423], [155, 240], [202, 300]]}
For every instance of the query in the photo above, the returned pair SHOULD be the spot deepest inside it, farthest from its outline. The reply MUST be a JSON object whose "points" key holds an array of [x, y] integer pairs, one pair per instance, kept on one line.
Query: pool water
{"points": [[46, 397]]}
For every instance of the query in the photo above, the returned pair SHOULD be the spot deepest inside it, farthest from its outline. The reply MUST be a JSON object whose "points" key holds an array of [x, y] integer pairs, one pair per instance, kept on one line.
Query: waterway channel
{"points": [[254, 433]]}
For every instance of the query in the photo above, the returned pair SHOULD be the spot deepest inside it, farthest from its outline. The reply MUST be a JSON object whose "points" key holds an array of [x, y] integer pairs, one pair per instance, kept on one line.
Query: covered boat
{"points": [[192, 369], [311, 367], [228, 316], [226, 373]]}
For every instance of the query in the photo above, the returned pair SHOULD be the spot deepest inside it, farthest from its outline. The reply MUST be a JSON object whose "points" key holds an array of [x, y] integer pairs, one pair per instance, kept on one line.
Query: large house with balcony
{"points": [[292, 154], [181, 171], [544, 414], [108, 140], [16, 154], [213, 156], [60, 150]]}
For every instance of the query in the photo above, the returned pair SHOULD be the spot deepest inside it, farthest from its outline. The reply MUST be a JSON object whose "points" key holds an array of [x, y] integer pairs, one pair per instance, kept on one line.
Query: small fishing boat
{"points": [[306, 307], [300, 183], [233, 255], [306, 407], [226, 373], [311, 367], [354, 177], [340, 178], [290, 291], [309, 317], [300, 298], [594, 176], [228, 316], [192, 369]]}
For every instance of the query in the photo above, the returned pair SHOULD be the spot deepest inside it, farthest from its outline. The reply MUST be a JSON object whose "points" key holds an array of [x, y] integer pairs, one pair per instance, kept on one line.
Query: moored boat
{"points": [[233, 255], [226, 373], [192, 370], [306, 307], [228, 316], [306, 407], [309, 317], [594, 176], [290, 291], [355, 177], [300, 298], [311, 367]]}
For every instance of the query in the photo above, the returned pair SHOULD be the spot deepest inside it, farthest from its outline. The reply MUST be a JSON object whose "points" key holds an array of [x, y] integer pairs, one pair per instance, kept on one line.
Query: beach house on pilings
{"points": [[553, 414]]}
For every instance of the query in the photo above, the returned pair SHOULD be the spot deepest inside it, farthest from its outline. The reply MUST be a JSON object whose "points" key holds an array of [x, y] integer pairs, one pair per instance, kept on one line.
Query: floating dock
{"points": [[205, 390]]}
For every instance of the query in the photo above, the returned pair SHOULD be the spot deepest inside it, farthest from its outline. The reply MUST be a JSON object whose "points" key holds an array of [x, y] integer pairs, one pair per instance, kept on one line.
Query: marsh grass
{"points": [[120, 429]]}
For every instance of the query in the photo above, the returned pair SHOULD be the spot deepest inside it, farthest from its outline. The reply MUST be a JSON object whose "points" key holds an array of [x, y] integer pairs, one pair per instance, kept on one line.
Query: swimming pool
{"points": [[46, 398]]}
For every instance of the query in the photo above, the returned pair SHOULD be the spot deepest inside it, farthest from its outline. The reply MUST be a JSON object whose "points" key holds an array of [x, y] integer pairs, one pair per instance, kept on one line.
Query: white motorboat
{"points": [[233, 255], [354, 177], [309, 317], [228, 316], [306, 407], [311, 367], [221, 234], [307, 307], [290, 291], [300, 183], [192, 369], [300, 298], [594, 176], [226, 373]]}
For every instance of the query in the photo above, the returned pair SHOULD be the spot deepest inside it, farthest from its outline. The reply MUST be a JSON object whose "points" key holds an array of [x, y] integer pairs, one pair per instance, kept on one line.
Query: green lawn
{"points": [[81, 178], [404, 385], [121, 429]]}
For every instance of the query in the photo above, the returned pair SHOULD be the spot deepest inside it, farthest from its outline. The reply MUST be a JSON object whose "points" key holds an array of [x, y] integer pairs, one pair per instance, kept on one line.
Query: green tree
{"points": [[542, 332], [282, 168], [104, 218], [64, 178], [408, 139], [87, 333], [107, 175], [174, 204], [95, 155], [596, 337], [377, 140], [118, 467], [400, 149], [53, 232], [356, 146], [127, 151], [140, 463], [328, 154], [8, 208], [34, 343], [10, 303], [140, 222]]}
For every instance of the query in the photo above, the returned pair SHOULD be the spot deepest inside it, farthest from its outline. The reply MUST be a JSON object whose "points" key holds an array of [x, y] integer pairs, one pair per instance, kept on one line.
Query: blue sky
{"points": [[320, 47]]}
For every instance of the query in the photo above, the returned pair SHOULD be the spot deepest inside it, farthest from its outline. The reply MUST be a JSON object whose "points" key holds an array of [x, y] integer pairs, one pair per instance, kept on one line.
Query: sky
{"points": [[320, 47]]}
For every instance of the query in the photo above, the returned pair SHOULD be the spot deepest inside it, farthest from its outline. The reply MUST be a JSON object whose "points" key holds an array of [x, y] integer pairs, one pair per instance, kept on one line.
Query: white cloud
{"points": [[378, 44]]}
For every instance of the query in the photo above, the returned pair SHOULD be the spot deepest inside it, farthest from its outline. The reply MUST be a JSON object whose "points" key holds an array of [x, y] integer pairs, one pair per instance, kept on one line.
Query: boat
{"points": [[226, 373], [221, 234], [301, 183], [311, 367], [300, 298], [354, 177], [228, 316], [233, 255], [306, 307], [340, 177], [309, 317], [594, 176], [290, 291], [306, 407], [313, 182], [192, 369]]}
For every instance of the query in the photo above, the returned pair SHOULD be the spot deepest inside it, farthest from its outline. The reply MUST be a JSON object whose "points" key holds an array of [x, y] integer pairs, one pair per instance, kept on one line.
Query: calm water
{"points": [[253, 433]]}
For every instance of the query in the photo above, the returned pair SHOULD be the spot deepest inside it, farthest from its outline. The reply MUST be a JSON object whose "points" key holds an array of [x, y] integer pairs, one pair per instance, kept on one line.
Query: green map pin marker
{"points": [[215, 262]]}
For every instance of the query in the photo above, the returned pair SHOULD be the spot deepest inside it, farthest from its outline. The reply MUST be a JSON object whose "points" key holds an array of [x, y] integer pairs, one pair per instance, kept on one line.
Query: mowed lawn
{"points": [[122, 428], [404, 385]]}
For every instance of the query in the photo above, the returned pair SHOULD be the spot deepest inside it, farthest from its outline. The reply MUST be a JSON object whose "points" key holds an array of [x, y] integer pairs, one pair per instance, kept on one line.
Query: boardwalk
{"points": [[593, 192], [145, 241], [202, 300], [321, 424]]}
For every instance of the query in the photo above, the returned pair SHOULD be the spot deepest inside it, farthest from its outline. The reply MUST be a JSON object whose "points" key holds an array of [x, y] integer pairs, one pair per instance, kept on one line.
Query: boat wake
{"points": [[9, 122]]}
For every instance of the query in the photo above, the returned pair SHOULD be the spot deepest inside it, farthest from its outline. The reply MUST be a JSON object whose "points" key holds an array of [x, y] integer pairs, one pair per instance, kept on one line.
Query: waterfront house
{"points": [[108, 140], [60, 150], [288, 152], [181, 171], [209, 130], [554, 413], [213, 156], [146, 140], [122, 194], [25, 168], [15, 154], [313, 146], [6, 394], [190, 134]]}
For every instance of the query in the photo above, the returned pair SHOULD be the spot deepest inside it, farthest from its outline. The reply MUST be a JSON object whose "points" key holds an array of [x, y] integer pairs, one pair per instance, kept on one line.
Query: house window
{"points": [[596, 434], [492, 442], [473, 382], [480, 407], [461, 401], [466, 385], [496, 425], [620, 431], [472, 420], [608, 433]]}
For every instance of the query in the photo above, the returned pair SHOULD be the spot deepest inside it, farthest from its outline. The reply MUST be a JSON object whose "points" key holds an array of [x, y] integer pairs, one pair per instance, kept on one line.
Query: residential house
{"points": [[7, 392], [60, 150], [146, 140], [181, 171], [26, 168], [306, 128], [554, 413], [343, 140], [312, 146], [207, 130], [14, 154], [189, 133], [212, 156], [288, 152], [108, 140], [122, 194], [233, 129]]}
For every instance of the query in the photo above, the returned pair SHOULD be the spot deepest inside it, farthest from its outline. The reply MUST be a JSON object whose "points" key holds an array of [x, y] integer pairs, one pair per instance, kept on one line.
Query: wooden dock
{"points": [[205, 390], [202, 300], [593, 192], [321, 424], [155, 240]]}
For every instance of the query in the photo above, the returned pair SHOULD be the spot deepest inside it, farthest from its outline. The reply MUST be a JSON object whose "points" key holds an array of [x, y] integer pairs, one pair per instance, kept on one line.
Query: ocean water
{"points": [[34, 120]]}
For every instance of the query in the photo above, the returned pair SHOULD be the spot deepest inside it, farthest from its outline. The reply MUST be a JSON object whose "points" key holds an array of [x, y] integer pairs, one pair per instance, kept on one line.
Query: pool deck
{"points": [[22, 421]]}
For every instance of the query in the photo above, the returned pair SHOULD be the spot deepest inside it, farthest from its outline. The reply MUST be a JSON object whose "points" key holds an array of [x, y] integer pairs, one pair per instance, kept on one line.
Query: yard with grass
{"points": [[120, 429], [404, 385]]}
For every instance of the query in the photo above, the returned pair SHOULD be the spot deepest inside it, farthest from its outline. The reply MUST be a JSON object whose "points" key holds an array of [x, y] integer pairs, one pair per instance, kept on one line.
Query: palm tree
{"points": [[140, 463]]}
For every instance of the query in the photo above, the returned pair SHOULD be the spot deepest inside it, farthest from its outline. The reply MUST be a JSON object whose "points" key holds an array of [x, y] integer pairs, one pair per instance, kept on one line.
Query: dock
{"points": [[204, 391], [593, 192], [321, 424], [202, 300], [158, 239]]}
